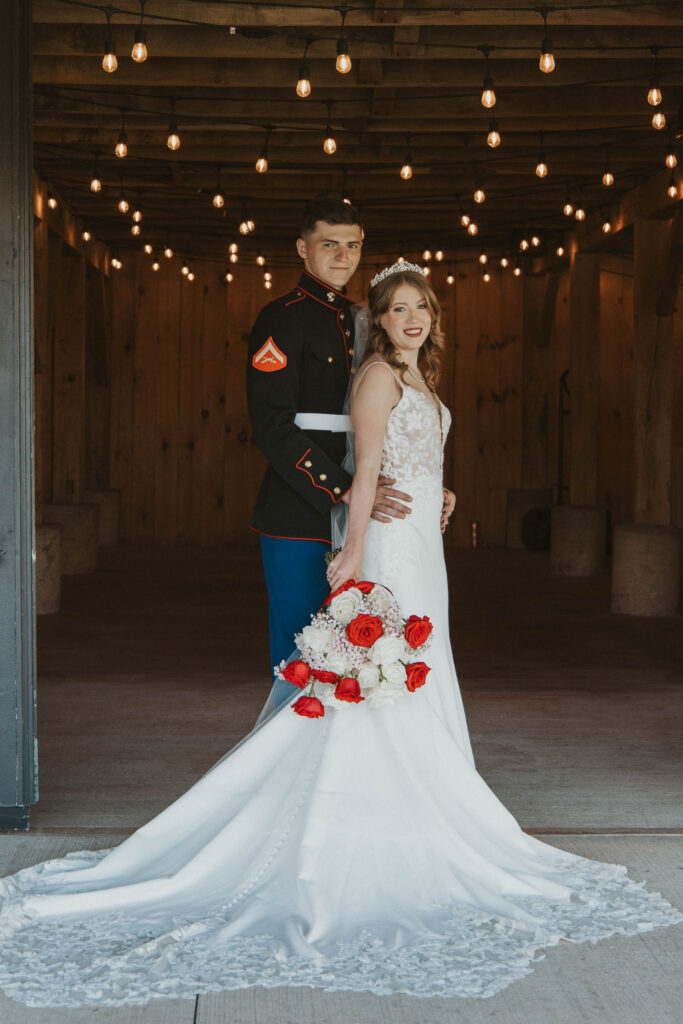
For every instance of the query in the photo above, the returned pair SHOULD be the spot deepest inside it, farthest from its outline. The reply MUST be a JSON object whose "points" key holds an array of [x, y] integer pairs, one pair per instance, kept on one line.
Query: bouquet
{"points": [[357, 648]]}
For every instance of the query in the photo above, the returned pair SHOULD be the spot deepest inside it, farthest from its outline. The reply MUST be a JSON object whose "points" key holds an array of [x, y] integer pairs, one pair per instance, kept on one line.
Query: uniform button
{"points": [[350, 351], [308, 463], [347, 333], [330, 296], [330, 359], [341, 316], [299, 294], [337, 490], [323, 476]]}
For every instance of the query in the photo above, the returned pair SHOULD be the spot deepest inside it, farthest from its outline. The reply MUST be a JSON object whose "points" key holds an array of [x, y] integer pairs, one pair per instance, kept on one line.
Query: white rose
{"points": [[386, 650], [368, 676], [395, 675], [316, 639], [345, 606], [381, 600], [336, 662]]}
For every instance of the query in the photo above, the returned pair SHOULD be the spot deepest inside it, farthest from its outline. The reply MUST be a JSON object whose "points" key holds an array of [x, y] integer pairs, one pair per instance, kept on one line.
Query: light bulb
{"points": [[401, 259], [168, 252], [658, 120], [121, 147], [123, 203], [606, 227], [229, 277], [218, 200], [450, 279], [135, 229], [407, 169], [541, 168], [488, 96], [267, 276], [86, 236], [250, 225], [672, 190], [148, 249], [184, 270], [671, 159], [504, 262], [139, 51], [190, 276], [116, 263], [472, 228], [479, 195], [244, 228], [52, 202], [261, 260], [546, 61], [137, 216], [427, 255], [303, 86], [95, 184], [608, 178], [493, 137], [535, 241], [261, 164], [524, 245], [173, 139], [347, 201], [517, 271], [329, 145], [438, 255], [559, 251], [486, 277], [427, 270], [233, 257], [155, 266], [568, 208], [464, 219], [580, 213], [233, 247], [109, 61], [483, 258], [343, 61], [267, 284], [654, 96]]}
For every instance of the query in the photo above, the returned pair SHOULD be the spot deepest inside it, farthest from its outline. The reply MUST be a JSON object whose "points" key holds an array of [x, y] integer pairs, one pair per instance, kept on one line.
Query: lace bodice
{"points": [[415, 435]]}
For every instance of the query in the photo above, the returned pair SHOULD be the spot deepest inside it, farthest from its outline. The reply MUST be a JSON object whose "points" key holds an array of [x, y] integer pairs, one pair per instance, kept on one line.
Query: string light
{"points": [[329, 142], [472, 228], [479, 195], [568, 207], [517, 271], [438, 255], [190, 276], [109, 61], [262, 161], [483, 258], [139, 51], [541, 166], [504, 262], [121, 147], [116, 263], [268, 284], [233, 257], [155, 266], [671, 160], [535, 241], [51, 201], [450, 279], [427, 255], [137, 215], [606, 227], [184, 270], [148, 249], [524, 245], [672, 190], [580, 213], [217, 199], [427, 271], [86, 236], [261, 260], [123, 203], [173, 138], [559, 251], [493, 137], [135, 229], [233, 248], [654, 95], [95, 181], [464, 219], [343, 62], [488, 95], [168, 252], [407, 168], [486, 277], [546, 61], [659, 120], [229, 277]]}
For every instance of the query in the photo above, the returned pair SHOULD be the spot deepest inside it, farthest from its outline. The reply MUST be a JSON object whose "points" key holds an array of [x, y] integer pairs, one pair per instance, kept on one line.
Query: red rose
{"points": [[323, 676], [348, 689], [416, 675], [309, 707], [365, 586], [297, 672], [417, 630], [364, 630]]}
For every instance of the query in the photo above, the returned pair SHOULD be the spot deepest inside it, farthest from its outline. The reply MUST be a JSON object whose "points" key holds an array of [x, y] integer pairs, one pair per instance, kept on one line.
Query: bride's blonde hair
{"points": [[380, 298]]}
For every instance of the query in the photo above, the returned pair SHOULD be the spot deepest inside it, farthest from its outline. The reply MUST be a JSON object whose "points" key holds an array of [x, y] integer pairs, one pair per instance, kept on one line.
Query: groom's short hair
{"points": [[331, 211]]}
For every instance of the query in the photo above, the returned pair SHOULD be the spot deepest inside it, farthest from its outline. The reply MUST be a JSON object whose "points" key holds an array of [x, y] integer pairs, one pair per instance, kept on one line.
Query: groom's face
{"points": [[331, 252]]}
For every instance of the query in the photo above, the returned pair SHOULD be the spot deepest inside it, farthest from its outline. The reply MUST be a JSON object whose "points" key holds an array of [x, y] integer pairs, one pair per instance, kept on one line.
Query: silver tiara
{"points": [[396, 268]]}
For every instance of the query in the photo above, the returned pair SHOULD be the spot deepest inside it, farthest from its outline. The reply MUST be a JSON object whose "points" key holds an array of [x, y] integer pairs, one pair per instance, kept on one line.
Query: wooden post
{"points": [[68, 445], [584, 377], [539, 309], [18, 773]]}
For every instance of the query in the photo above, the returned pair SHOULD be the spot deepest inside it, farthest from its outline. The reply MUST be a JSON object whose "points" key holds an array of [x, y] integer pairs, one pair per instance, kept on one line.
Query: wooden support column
{"points": [[18, 770], [539, 310], [584, 377], [68, 444]]}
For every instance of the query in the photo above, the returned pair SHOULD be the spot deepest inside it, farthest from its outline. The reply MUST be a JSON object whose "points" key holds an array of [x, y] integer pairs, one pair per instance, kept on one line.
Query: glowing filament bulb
{"points": [[486, 277], [606, 227], [137, 216], [267, 276], [535, 241], [654, 96], [109, 61], [233, 257], [303, 86], [86, 236], [267, 284], [407, 169], [123, 203], [464, 219], [568, 209], [233, 247], [493, 137], [184, 270], [121, 147], [479, 195], [607, 177], [541, 168], [218, 200], [155, 266], [261, 164], [329, 143], [658, 120], [472, 228], [229, 277], [190, 276], [438, 255], [488, 95], [261, 260], [524, 245], [671, 159], [580, 213], [560, 250], [52, 202], [250, 225], [139, 51], [504, 262], [95, 184], [135, 229], [148, 249], [517, 271], [173, 139], [483, 258], [168, 252], [672, 190], [546, 61], [450, 279], [427, 255], [427, 270], [244, 228], [343, 61]]}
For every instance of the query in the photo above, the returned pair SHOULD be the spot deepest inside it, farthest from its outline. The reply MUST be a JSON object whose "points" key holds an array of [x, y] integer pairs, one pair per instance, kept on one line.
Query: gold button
{"points": [[330, 296], [299, 294], [330, 359], [350, 351], [347, 333], [323, 476], [308, 463], [341, 316], [337, 490]]}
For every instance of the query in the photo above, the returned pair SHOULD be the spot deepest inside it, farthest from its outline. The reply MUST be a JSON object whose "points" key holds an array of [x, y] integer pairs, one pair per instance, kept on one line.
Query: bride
{"points": [[358, 851]]}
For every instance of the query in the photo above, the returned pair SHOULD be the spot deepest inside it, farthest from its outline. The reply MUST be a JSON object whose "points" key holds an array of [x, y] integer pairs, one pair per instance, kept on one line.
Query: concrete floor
{"points": [[158, 663]]}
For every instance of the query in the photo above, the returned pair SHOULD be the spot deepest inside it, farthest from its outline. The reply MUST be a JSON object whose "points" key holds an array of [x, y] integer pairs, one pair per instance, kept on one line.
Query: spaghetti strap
{"points": [[380, 362]]}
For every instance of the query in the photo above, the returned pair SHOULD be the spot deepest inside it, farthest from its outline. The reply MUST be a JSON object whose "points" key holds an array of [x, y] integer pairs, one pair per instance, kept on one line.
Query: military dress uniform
{"points": [[299, 365]]}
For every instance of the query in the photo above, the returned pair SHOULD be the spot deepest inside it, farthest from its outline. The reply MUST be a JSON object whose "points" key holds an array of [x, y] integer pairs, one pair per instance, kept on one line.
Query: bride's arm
{"points": [[376, 396]]}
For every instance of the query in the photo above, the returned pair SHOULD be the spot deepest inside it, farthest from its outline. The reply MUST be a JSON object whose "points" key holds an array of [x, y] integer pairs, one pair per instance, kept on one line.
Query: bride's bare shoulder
{"points": [[377, 384], [384, 374]]}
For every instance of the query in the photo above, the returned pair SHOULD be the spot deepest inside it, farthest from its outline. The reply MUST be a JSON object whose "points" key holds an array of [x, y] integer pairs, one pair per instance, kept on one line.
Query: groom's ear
{"points": [[301, 247]]}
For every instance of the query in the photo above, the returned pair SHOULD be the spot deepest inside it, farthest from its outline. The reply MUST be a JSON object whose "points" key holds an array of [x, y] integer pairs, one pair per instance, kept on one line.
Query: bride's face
{"points": [[408, 320]]}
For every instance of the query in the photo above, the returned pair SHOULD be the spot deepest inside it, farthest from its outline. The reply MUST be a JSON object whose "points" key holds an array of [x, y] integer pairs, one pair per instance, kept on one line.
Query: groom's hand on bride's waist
{"points": [[389, 503]]}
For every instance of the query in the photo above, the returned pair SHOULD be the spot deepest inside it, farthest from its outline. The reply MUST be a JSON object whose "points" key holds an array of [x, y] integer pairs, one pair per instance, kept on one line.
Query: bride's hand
{"points": [[447, 508], [346, 566]]}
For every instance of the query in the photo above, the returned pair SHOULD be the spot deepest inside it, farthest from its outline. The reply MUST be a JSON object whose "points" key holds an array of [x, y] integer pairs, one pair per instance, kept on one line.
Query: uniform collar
{"points": [[321, 292]]}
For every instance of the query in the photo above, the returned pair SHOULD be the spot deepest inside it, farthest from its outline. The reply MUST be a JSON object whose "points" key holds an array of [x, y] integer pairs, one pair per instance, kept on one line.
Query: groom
{"points": [[298, 371]]}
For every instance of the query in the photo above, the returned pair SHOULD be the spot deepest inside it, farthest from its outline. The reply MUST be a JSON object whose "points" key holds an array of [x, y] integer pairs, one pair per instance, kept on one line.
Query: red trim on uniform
{"points": [[326, 286], [320, 487], [346, 347], [276, 536], [292, 301], [322, 302]]}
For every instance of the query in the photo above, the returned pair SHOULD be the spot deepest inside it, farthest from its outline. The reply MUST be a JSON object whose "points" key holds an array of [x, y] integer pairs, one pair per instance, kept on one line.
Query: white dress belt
{"points": [[323, 421]]}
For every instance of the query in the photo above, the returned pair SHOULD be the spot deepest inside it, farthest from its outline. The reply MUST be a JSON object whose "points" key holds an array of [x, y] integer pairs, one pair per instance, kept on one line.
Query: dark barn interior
{"points": [[154, 207]]}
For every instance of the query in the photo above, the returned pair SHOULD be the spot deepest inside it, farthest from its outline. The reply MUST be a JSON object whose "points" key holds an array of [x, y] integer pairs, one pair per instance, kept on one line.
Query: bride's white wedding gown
{"points": [[360, 851]]}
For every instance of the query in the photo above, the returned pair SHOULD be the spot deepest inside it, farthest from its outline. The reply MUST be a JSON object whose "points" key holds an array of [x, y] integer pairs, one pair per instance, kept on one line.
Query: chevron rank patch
{"points": [[269, 358]]}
